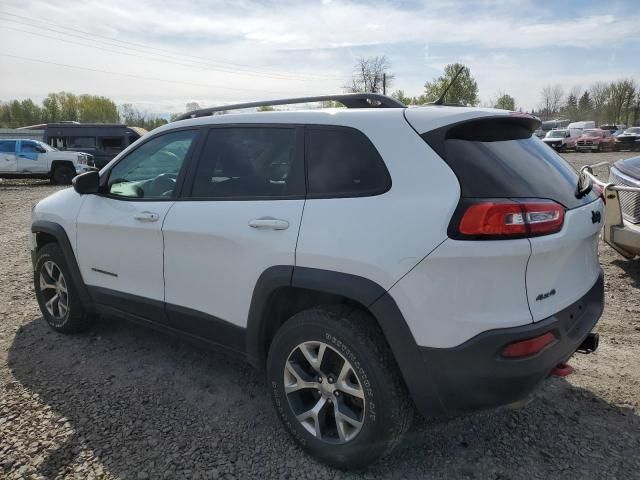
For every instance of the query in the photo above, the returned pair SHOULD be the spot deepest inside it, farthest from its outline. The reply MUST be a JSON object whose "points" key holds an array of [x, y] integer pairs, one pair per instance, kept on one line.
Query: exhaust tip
{"points": [[589, 344]]}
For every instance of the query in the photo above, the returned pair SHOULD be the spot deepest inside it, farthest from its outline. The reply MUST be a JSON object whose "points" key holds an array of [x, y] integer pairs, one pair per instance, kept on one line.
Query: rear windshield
{"points": [[502, 159]]}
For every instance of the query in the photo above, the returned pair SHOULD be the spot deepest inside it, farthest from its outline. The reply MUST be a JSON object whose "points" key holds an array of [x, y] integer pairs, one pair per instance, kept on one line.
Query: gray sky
{"points": [[159, 55]]}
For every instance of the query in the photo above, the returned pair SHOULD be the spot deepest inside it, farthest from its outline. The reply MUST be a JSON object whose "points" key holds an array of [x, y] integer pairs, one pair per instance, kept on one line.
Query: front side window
{"points": [[249, 162], [343, 162], [8, 147], [29, 147], [151, 170]]}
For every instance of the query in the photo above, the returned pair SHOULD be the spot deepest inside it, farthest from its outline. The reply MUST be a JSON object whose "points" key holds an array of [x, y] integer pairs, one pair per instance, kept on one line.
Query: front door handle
{"points": [[146, 217], [269, 223]]}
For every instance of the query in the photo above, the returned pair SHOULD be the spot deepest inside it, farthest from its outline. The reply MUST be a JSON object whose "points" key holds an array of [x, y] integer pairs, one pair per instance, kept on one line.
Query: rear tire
{"points": [[56, 293], [371, 410], [62, 175]]}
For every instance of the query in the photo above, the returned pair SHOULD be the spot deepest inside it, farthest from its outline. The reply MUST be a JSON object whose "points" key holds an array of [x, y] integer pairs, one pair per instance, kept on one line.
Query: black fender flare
{"points": [[372, 296], [59, 233]]}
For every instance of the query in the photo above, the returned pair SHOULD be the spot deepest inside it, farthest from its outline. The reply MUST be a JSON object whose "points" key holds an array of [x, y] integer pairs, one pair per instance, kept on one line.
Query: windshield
{"points": [[556, 134], [632, 130], [592, 133]]}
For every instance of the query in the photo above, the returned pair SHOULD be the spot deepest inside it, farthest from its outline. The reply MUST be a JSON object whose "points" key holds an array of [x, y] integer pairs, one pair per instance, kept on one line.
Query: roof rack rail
{"points": [[349, 100]]}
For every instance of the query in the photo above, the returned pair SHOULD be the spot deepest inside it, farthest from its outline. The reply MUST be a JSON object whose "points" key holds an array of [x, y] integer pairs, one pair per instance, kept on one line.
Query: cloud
{"points": [[512, 46]]}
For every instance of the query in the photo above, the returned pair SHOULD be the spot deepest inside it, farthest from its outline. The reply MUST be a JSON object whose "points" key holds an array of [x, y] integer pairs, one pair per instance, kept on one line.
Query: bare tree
{"points": [[621, 99], [599, 92], [552, 96], [191, 106], [369, 75]]}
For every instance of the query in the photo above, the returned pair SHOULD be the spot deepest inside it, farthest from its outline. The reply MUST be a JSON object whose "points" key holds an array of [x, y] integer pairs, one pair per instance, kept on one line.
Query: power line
{"points": [[147, 57], [92, 37], [130, 75]]}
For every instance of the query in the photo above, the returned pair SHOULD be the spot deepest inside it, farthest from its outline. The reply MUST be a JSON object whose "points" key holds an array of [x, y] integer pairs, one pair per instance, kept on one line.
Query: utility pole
{"points": [[384, 83]]}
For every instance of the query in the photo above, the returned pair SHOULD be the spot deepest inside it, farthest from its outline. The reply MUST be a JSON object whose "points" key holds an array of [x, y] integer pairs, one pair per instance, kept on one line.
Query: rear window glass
{"points": [[343, 162], [507, 162]]}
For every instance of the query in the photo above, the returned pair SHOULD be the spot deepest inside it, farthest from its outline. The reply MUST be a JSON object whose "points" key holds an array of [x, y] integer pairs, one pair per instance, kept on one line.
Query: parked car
{"points": [[614, 128], [103, 141], [583, 125], [622, 193], [549, 125], [595, 140], [629, 140], [21, 158], [561, 140], [370, 260]]}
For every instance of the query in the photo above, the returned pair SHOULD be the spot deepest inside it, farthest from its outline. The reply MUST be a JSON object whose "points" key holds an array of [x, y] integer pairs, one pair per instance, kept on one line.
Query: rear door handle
{"points": [[146, 217], [269, 223]]}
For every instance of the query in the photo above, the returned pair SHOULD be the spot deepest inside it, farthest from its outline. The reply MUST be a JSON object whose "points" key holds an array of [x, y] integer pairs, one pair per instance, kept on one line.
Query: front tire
{"points": [[336, 386], [62, 175], [56, 293]]}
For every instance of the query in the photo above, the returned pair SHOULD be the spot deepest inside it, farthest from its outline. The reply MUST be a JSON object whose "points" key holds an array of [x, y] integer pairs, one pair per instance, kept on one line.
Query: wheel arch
{"points": [[49, 232], [57, 163], [299, 288]]}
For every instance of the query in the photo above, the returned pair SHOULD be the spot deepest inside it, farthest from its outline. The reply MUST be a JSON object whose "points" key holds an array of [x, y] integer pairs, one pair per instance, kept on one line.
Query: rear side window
{"points": [[82, 142], [8, 147], [342, 162], [249, 163], [500, 158]]}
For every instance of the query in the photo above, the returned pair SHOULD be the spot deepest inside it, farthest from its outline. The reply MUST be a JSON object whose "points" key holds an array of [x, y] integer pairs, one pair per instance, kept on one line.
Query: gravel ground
{"points": [[125, 402]]}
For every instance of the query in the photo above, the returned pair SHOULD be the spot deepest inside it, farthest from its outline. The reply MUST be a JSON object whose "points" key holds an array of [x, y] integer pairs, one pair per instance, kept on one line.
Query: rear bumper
{"points": [[475, 376]]}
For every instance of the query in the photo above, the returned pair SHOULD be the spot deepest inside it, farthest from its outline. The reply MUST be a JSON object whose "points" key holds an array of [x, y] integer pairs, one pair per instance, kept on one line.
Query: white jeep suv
{"points": [[372, 259], [20, 158]]}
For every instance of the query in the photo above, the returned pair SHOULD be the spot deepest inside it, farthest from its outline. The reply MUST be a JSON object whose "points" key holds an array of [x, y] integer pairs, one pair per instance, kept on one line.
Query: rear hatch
{"points": [[499, 161]]}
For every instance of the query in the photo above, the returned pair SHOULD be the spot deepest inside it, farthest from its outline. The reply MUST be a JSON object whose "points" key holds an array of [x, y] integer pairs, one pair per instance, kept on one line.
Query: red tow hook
{"points": [[562, 370]]}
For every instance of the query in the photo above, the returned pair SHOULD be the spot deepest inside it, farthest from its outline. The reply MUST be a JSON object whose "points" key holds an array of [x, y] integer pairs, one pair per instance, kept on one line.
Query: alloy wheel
{"points": [[324, 392], [53, 287]]}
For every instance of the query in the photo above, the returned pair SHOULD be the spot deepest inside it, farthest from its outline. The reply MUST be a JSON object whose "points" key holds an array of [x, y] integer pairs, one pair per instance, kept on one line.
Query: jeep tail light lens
{"points": [[531, 346], [511, 219]]}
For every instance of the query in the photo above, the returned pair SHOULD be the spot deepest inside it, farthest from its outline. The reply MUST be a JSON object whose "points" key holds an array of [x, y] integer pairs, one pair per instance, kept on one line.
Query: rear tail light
{"points": [[502, 218], [526, 348]]}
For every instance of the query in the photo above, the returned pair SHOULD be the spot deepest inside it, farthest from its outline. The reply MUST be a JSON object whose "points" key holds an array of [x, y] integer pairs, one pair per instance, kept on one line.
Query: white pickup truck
{"points": [[21, 158]]}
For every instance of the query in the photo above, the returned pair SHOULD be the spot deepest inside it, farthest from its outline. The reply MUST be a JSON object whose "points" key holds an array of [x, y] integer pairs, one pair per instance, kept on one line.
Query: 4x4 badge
{"points": [[596, 216]]}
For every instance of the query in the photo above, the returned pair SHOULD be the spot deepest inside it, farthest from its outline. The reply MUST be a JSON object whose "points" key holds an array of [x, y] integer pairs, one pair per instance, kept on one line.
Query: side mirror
{"points": [[41, 150], [87, 183]]}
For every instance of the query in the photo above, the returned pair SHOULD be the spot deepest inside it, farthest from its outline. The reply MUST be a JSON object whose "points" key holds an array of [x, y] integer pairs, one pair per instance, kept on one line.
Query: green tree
{"points": [[51, 108], [463, 91], [69, 106], [401, 97], [97, 109], [131, 116], [505, 102], [585, 106], [570, 108], [265, 108], [32, 113]]}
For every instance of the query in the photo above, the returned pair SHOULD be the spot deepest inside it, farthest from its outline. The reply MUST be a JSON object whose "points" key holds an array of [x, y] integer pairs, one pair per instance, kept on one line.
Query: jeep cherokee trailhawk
{"points": [[373, 259]]}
